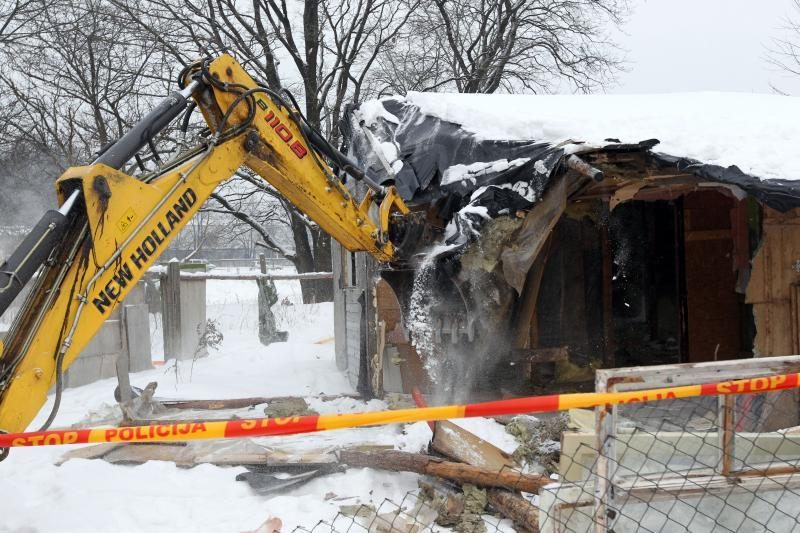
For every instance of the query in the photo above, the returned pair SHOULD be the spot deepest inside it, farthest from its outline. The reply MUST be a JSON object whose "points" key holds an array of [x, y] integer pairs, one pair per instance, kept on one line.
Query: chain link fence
{"points": [[727, 463]]}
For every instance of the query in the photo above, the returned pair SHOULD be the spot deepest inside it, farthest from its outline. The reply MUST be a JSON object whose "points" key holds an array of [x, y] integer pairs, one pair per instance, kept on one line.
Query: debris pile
{"points": [[464, 477]]}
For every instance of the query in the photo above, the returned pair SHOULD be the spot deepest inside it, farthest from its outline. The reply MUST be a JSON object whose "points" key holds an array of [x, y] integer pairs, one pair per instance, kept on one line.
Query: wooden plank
{"points": [[529, 298], [656, 376], [238, 403], [535, 231], [142, 453], [89, 452]]}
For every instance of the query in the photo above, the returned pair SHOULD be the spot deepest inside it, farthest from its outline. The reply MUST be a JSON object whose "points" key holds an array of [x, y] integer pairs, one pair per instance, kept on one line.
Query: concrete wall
{"points": [[183, 312], [338, 257], [193, 318], [354, 318], [127, 331]]}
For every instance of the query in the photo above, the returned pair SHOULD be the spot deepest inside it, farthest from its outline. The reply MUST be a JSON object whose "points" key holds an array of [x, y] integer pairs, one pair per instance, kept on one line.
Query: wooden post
{"points": [[171, 310], [609, 360]]}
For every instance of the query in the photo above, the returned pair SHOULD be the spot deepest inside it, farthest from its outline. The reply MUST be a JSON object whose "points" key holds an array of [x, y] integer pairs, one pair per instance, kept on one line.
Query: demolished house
{"points": [[569, 233]]}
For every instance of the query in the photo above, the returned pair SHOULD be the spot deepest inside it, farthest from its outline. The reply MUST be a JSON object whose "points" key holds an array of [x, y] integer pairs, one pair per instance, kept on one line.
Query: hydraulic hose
{"points": [[18, 269]]}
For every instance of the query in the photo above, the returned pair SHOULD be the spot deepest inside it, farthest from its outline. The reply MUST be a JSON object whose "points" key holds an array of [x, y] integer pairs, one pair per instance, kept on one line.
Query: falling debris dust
{"points": [[420, 319]]}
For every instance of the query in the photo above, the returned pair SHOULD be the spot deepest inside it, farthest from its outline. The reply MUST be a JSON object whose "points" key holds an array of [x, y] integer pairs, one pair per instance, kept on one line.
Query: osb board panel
{"points": [[773, 328], [772, 276], [773, 266], [772, 216]]}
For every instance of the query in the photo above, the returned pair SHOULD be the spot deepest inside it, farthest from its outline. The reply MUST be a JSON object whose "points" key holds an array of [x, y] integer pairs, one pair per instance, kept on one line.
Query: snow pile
{"points": [[470, 172], [93, 495], [489, 430], [83, 495], [756, 132]]}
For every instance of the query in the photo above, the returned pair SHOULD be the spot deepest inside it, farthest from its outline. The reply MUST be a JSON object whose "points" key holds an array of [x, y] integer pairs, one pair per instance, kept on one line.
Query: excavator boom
{"points": [[112, 226]]}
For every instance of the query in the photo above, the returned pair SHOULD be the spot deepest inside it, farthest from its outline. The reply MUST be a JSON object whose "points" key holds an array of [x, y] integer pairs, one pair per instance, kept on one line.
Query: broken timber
{"points": [[480, 453], [458, 443]]}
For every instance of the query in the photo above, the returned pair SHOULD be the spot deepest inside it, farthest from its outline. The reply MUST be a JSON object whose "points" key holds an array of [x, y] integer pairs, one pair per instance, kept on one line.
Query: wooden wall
{"points": [[714, 312]]}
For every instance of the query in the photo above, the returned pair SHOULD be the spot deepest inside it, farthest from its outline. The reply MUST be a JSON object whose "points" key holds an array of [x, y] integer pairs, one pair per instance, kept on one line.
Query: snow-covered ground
{"points": [[92, 495]]}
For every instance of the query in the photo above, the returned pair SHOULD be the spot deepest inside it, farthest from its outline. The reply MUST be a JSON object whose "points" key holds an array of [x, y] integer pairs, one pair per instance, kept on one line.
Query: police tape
{"points": [[264, 427]]}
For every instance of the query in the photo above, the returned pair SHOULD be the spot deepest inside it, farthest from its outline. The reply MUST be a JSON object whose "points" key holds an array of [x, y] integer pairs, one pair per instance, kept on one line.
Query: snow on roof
{"points": [[758, 133]]}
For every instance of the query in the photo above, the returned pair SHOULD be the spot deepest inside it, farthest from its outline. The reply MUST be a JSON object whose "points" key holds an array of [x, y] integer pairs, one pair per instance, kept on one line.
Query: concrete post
{"points": [[171, 312]]}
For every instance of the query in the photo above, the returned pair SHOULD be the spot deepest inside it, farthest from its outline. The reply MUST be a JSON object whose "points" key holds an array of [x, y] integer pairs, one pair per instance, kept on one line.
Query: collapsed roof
{"points": [[480, 156]]}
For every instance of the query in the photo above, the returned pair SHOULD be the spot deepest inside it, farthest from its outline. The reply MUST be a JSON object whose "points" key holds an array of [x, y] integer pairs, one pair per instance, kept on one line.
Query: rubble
{"points": [[286, 407], [444, 499], [540, 440], [471, 520]]}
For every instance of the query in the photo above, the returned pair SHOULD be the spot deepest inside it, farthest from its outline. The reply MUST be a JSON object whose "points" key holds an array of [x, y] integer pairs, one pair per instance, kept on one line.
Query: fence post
{"points": [[171, 310]]}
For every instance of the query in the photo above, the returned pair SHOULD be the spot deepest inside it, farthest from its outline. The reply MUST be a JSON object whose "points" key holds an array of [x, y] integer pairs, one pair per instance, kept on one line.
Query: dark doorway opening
{"points": [[647, 282], [677, 291]]}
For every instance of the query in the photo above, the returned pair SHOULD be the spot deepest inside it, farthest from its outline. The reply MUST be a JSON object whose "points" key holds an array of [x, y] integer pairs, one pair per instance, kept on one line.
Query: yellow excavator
{"points": [[111, 227]]}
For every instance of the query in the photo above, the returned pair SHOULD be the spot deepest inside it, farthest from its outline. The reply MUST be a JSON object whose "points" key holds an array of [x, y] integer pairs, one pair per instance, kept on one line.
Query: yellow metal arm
{"points": [[124, 224]]}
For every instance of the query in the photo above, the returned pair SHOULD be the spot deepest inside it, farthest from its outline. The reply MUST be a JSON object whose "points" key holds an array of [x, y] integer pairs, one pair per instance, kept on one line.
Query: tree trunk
{"points": [[524, 514], [312, 254], [433, 466], [323, 263]]}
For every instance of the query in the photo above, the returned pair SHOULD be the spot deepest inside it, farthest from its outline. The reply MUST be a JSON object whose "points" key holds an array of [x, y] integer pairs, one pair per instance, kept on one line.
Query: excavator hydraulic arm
{"points": [[112, 226]]}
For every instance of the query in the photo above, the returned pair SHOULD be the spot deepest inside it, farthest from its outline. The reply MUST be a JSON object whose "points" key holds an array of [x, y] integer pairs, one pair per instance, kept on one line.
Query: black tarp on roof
{"points": [[428, 146]]}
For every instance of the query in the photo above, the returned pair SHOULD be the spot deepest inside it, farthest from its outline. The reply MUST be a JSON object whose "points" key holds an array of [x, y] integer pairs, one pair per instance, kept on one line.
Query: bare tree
{"points": [[484, 46], [80, 79], [784, 53], [324, 49], [15, 18]]}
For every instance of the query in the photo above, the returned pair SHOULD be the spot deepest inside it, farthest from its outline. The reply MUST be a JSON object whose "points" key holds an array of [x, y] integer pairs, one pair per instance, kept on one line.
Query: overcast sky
{"points": [[702, 45]]}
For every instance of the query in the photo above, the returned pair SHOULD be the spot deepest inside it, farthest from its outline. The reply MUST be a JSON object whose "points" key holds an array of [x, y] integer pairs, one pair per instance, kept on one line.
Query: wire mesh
{"points": [[727, 463]]}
